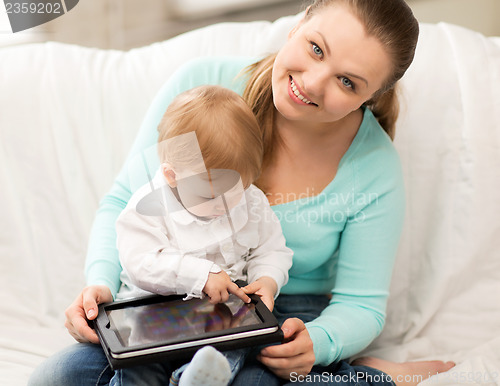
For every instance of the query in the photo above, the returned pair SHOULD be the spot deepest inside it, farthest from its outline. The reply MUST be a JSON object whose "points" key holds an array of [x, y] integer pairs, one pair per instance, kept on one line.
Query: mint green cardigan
{"points": [[344, 239]]}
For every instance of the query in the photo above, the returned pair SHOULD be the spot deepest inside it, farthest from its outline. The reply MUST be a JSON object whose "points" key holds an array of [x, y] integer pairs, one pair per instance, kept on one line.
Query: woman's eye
{"points": [[346, 82], [317, 51]]}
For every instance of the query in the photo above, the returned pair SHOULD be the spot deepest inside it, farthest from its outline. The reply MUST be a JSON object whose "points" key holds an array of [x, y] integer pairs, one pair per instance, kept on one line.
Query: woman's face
{"points": [[328, 67]]}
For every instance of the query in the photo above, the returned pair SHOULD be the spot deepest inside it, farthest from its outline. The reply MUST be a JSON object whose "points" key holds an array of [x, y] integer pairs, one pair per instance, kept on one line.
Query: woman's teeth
{"points": [[298, 94]]}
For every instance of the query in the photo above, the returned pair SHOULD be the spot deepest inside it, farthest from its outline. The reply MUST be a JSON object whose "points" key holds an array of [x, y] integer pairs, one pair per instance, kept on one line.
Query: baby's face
{"points": [[213, 207], [210, 195]]}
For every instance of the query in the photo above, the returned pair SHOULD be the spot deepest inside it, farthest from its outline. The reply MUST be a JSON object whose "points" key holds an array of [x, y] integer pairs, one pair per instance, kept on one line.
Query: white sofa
{"points": [[69, 114]]}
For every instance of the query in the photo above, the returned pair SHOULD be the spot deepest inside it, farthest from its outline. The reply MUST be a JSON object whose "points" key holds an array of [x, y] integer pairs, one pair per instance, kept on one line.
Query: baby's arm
{"points": [[154, 265], [271, 259], [150, 260]]}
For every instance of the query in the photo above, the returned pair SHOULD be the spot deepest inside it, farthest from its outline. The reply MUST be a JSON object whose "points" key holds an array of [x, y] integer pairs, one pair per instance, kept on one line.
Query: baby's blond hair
{"points": [[226, 128]]}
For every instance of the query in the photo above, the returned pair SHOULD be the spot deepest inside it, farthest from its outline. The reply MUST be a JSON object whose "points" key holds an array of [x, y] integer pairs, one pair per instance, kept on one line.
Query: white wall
{"points": [[124, 24], [479, 15]]}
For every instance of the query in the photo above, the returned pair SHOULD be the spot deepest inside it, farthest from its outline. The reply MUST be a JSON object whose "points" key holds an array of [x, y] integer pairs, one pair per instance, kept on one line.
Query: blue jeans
{"points": [[236, 359], [86, 364], [307, 308]]}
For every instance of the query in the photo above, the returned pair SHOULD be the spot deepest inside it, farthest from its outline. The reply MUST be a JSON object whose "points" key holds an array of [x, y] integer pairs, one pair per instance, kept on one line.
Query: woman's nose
{"points": [[315, 83]]}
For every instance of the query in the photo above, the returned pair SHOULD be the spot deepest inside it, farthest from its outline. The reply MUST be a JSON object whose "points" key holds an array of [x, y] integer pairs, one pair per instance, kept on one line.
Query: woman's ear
{"points": [[169, 174]]}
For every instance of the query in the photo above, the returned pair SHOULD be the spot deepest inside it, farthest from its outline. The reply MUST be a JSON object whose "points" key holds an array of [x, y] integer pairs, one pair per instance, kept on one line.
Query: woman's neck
{"points": [[306, 157], [311, 135]]}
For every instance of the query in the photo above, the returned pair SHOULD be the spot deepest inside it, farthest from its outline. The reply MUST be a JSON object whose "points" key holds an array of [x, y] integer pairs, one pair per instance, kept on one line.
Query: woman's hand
{"points": [[296, 355], [83, 309]]}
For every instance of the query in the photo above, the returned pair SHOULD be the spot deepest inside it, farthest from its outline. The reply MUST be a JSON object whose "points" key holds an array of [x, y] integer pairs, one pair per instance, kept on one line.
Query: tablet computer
{"points": [[157, 328]]}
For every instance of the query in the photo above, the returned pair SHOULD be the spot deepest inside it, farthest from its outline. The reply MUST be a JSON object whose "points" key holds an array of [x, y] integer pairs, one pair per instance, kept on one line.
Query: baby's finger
{"points": [[214, 296], [224, 296], [235, 290]]}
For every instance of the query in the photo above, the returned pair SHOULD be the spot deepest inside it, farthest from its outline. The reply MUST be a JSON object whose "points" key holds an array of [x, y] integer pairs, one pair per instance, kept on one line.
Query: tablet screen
{"points": [[178, 319]]}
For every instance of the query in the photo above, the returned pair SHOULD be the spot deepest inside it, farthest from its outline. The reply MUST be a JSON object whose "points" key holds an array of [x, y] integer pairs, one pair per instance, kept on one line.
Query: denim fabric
{"points": [[307, 308], [77, 365], [304, 307], [154, 374], [236, 359], [85, 363], [338, 374]]}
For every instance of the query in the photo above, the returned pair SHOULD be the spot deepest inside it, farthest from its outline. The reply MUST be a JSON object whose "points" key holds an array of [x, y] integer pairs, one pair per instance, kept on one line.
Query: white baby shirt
{"points": [[173, 253]]}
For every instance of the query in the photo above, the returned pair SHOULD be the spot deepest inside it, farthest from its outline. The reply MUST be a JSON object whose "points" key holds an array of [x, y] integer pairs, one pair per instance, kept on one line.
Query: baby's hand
{"points": [[266, 288], [219, 286]]}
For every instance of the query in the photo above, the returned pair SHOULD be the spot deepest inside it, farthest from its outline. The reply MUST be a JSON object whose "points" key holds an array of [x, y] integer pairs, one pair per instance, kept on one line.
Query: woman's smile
{"points": [[297, 95]]}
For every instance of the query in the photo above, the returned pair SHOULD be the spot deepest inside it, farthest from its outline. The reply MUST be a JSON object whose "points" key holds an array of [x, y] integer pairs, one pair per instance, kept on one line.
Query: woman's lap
{"points": [[79, 364], [304, 307], [338, 374], [86, 364], [307, 308]]}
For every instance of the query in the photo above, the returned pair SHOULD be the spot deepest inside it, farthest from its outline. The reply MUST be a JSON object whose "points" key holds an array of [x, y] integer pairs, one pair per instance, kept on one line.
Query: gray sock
{"points": [[208, 367]]}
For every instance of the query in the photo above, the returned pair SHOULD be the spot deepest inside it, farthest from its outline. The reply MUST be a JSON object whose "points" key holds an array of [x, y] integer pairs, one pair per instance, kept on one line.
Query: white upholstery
{"points": [[69, 114]]}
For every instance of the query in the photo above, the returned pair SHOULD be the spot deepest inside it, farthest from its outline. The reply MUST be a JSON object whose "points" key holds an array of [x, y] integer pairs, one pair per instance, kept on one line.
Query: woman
{"points": [[333, 178]]}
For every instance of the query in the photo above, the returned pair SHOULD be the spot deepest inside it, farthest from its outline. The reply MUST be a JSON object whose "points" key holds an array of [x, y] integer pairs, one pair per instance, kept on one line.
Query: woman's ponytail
{"points": [[385, 108], [258, 94]]}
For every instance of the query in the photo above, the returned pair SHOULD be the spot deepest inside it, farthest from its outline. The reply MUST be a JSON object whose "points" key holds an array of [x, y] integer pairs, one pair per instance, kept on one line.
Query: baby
{"points": [[200, 224]]}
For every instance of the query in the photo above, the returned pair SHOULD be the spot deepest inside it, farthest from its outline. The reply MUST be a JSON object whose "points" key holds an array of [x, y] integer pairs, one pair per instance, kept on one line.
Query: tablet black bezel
{"points": [[113, 347]]}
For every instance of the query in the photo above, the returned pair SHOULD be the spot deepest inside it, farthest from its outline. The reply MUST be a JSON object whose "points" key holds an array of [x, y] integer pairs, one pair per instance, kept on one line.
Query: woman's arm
{"points": [[356, 313], [367, 249]]}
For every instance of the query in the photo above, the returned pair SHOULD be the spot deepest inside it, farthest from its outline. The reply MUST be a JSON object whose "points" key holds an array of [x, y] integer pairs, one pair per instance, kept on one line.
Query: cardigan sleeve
{"points": [[366, 254]]}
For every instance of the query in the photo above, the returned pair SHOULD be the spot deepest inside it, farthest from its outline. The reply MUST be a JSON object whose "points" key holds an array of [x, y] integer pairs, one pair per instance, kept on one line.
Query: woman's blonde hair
{"points": [[227, 131], [390, 21]]}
